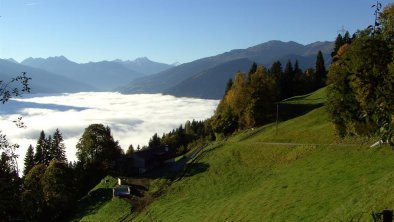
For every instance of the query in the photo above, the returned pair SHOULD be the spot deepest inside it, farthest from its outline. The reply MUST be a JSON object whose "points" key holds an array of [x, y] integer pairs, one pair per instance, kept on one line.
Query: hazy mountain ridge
{"points": [[144, 65], [42, 81], [170, 81], [104, 75]]}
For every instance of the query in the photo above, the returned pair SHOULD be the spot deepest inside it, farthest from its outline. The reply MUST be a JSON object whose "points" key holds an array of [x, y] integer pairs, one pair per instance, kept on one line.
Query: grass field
{"points": [[296, 171]]}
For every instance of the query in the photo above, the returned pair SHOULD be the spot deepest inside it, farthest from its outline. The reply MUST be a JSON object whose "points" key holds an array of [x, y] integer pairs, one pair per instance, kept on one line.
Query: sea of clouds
{"points": [[133, 119]]}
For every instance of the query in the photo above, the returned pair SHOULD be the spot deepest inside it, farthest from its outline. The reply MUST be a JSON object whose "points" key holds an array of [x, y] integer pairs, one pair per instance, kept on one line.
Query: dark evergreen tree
{"points": [[29, 160], [154, 142], [276, 70], [57, 149], [320, 70], [347, 39], [252, 69], [287, 81], [299, 84], [338, 43], [40, 147], [47, 151], [130, 150]]}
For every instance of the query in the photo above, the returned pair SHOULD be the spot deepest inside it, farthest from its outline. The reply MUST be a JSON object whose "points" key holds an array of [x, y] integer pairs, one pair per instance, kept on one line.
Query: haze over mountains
{"points": [[202, 78]]}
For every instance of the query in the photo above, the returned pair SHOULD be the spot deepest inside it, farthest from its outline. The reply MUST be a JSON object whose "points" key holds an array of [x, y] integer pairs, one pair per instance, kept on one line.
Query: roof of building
{"points": [[161, 153]]}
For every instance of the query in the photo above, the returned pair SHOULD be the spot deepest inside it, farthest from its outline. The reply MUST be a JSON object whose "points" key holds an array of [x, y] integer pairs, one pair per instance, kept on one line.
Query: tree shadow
{"points": [[90, 203], [137, 190], [290, 111], [194, 169]]}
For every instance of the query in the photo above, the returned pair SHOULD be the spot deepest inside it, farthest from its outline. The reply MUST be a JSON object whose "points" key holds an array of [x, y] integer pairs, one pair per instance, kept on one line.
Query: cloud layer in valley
{"points": [[133, 119]]}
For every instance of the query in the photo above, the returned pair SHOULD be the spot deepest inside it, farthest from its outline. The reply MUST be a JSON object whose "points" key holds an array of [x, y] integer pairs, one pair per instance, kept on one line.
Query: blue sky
{"points": [[168, 30]]}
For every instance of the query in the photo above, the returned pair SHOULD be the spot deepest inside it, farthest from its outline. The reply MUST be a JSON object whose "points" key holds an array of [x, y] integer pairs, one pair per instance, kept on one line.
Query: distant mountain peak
{"points": [[58, 58], [142, 59], [11, 60]]}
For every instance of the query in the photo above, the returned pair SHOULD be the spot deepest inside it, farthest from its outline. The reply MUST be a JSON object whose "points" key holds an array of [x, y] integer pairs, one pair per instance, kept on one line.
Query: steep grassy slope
{"points": [[298, 172]]}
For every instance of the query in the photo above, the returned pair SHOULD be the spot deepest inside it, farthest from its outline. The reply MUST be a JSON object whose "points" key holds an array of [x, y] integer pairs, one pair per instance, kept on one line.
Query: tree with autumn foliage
{"points": [[248, 102], [361, 82]]}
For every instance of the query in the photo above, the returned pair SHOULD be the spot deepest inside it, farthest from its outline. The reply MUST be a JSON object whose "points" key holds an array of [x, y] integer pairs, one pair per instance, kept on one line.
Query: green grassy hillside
{"points": [[298, 172], [294, 171]]}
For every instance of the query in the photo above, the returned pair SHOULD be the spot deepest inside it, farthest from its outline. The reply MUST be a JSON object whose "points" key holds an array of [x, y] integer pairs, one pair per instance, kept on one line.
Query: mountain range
{"points": [[42, 81], [207, 77], [202, 78], [104, 75]]}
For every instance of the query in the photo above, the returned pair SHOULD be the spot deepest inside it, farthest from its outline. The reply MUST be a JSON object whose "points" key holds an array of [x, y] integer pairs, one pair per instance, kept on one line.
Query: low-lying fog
{"points": [[133, 119]]}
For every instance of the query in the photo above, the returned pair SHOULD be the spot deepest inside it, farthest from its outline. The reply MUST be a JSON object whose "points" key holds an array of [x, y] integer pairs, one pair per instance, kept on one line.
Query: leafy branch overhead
{"points": [[10, 89]]}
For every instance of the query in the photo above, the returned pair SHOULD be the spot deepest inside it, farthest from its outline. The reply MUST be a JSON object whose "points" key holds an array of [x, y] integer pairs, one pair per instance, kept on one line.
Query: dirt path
{"points": [[306, 144]]}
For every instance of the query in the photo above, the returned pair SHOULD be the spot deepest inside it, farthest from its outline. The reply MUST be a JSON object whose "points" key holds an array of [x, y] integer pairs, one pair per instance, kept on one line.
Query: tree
{"points": [[287, 81], [11, 89], [29, 160], [40, 155], [130, 150], [57, 148], [97, 147], [9, 188], [299, 81], [276, 70], [386, 20], [320, 71], [224, 122], [338, 43], [58, 189], [9, 178], [154, 142], [252, 69], [32, 195], [361, 88], [263, 90]]}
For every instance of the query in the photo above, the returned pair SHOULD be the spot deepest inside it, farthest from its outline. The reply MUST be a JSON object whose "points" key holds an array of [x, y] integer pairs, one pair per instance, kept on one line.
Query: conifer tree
{"points": [[276, 70], [57, 147], [252, 70], [41, 145], [299, 85], [154, 142], [338, 43], [29, 160], [320, 69], [130, 150], [47, 151], [346, 38], [287, 81]]}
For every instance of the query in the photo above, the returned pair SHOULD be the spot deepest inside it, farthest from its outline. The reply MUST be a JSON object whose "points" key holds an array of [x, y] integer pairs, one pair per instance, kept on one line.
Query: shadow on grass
{"points": [[91, 203], [195, 168], [137, 190], [290, 111]]}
